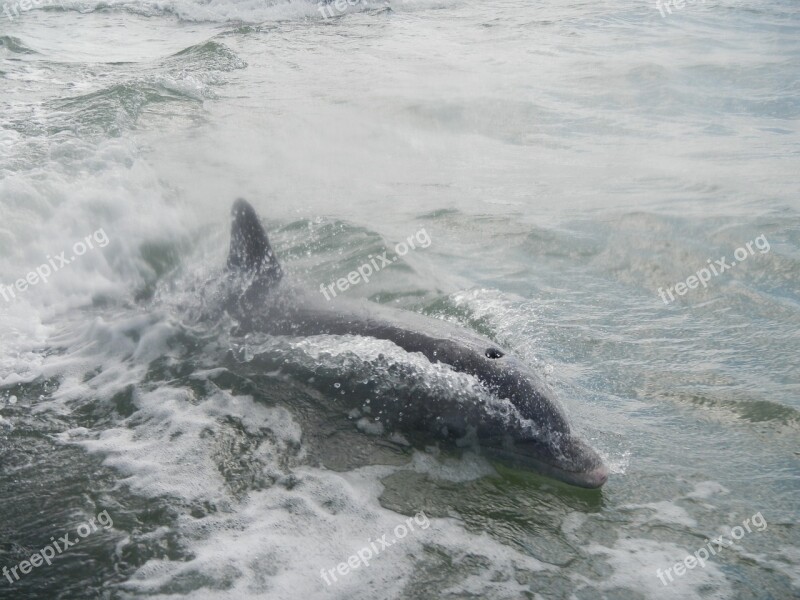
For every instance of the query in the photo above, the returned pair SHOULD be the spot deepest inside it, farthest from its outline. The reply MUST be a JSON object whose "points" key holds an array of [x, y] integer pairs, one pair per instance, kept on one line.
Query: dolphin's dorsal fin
{"points": [[250, 250]]}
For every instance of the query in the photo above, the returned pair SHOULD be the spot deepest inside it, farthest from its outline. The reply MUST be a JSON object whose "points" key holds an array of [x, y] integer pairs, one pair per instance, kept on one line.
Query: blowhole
{"points": [[493, 353]]}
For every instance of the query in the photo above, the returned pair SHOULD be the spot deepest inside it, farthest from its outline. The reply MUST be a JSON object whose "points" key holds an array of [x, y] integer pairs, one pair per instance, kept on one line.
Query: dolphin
{"points": [[522, 425]]}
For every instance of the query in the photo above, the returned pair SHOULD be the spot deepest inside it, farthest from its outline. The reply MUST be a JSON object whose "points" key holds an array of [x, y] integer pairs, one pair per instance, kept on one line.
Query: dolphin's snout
{"points": [[568, 459], [595, 478]]}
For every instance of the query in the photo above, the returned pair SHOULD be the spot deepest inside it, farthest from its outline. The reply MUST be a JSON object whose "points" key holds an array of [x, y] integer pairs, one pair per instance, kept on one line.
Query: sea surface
{"points": [[576, 166]]}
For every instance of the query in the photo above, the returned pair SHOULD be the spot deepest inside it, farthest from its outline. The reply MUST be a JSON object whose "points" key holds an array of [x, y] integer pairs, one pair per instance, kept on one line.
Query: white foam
{"points": [[168, 446], [705, 490], [635, 563], [278, 540], [46, 213], [617, 463]]}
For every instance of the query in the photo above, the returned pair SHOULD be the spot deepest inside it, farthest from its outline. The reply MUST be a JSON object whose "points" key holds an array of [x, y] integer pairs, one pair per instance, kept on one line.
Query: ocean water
{"points": [[572, 162]]}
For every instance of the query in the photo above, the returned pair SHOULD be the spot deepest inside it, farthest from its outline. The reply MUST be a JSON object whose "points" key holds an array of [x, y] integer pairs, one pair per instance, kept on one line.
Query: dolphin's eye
{"points": [[493, 353]]}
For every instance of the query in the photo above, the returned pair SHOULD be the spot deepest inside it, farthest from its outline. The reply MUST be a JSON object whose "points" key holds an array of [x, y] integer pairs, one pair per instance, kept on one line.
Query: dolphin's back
{"points": [[437, 340]]}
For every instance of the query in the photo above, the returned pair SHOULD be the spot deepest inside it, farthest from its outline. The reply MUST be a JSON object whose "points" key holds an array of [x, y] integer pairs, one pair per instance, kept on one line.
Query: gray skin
{"points": [[532, 433]]}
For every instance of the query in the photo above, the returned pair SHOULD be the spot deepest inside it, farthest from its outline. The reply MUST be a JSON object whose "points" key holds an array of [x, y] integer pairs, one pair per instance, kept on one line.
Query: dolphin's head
{"points": [[548, 445]]}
